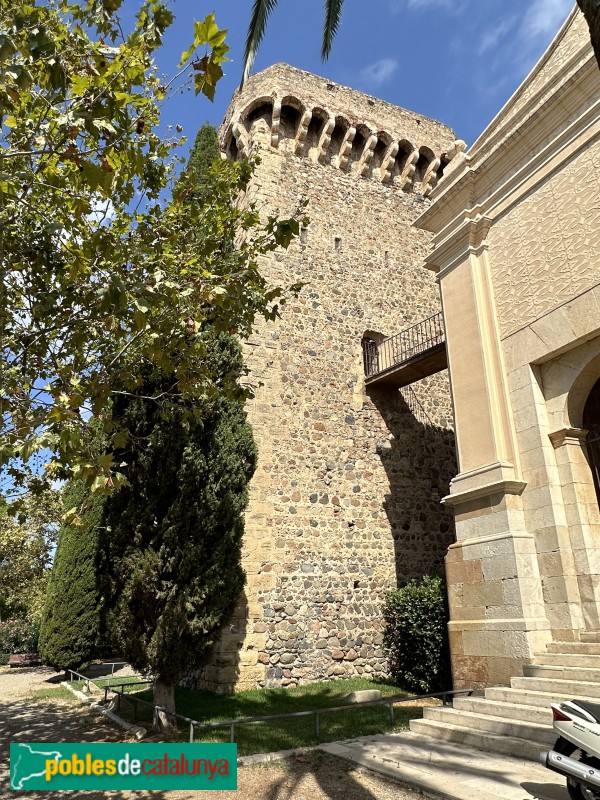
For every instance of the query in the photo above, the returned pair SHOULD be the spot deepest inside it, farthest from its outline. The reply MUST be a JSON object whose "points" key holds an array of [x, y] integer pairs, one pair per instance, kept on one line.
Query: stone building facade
{"points": [[516, 224], [345, 503]]}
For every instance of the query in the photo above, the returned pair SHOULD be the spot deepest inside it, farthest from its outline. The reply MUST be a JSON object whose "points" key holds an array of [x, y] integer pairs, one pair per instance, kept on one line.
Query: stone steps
{"points": [[539, 714], [578, 648], [590, 636], [526, 698], [555, 686], [491, 743], [563, 673], [569, 660], [495, 725], [517, 720]]}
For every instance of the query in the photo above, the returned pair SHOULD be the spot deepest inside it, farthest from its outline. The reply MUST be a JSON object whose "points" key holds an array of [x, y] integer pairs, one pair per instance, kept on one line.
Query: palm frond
{"points": [[261, 11], [333, 13]]}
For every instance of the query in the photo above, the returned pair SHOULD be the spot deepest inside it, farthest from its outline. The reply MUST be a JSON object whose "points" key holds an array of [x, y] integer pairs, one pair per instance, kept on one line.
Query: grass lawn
{"points": [[126, 684], [53, 693], [263, 737]]}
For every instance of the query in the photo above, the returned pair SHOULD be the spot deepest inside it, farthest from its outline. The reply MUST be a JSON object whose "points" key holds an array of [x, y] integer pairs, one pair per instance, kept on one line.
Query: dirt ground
{"points": [[311, 776]]}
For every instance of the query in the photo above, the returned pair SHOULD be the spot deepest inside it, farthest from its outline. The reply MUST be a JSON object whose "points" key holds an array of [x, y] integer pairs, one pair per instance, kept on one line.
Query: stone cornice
{"points": [[496, 487], [477, 184], [468, 237], [488, 183], [510, 115], [565, 436]]}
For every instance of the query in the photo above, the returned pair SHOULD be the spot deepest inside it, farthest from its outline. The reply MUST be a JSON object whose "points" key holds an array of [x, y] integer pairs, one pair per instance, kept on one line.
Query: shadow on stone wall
{"points": [[222, 672], [419, 458]]}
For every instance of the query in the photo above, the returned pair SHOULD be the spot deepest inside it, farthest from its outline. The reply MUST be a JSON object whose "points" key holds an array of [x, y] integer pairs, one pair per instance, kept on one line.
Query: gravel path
{"points": [[313, 776]]}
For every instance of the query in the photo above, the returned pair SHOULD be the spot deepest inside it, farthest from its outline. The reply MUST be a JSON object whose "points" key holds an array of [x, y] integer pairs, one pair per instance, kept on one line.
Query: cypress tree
{"points": [[71, 626], [203, 155], [176, 530]]}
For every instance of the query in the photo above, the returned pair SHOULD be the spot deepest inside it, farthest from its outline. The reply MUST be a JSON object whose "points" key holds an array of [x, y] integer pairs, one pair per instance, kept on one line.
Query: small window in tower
{"points": [[338, 243], [303, 235]]}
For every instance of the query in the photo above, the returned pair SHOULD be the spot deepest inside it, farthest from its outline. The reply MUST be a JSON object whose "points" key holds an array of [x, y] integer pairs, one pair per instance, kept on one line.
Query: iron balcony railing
{"points": [[395, 350]]}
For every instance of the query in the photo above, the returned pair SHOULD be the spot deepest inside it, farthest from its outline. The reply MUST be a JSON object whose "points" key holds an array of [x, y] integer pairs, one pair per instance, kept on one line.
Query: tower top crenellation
{"points": [[338, 126]]}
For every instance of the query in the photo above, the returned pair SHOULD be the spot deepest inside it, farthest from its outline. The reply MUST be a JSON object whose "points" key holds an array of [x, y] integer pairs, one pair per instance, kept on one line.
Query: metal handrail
{"points": [[84, 678], [231, 723], [132, 699], [89, 681], [394, 350]]}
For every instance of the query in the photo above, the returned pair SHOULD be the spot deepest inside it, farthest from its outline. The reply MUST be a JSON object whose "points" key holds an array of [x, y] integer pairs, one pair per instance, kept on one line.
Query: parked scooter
{"points": [[576, 753]]}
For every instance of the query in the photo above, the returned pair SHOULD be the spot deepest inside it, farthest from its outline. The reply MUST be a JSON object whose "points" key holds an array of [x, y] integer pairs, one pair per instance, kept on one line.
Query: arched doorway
{"points": [[591, 423]]}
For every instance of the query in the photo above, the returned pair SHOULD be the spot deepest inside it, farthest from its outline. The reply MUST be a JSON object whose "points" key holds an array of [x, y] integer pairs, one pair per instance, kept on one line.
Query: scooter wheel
{"points": [[578, 792]]}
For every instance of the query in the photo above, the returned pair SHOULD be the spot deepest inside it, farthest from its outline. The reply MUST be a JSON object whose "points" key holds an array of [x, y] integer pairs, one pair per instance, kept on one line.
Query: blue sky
{"points": [[455, 60]]}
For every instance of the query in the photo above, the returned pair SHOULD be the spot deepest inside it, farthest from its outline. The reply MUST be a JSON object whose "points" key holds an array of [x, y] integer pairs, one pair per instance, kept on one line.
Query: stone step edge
{"points": [[519, 707], [539, 726], [548, 680], [513, 742], [594, 670], [552, 697]]}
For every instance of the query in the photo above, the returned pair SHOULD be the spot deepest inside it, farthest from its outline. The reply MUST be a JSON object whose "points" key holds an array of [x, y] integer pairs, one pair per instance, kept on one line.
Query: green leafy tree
{"points": [[261, 10], [72, 620], [26, 545], [176, 529], [100, 272]]}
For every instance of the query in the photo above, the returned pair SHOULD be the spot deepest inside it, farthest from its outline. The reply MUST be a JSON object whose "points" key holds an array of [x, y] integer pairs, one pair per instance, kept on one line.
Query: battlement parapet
{"points": [[287, 108]]}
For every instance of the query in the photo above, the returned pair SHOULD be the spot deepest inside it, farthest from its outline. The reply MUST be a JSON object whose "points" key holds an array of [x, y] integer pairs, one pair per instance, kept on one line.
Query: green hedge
{"points": [[416, 638]]}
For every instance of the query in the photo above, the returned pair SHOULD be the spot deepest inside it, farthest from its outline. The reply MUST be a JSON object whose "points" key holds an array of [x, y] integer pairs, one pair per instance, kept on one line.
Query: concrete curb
{"points": [[278, 755], [137, 730], [387, 768], [80, 695]]}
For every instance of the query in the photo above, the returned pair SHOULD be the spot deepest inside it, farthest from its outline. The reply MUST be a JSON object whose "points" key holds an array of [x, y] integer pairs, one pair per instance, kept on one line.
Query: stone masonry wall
{"points": [[345, 501]]}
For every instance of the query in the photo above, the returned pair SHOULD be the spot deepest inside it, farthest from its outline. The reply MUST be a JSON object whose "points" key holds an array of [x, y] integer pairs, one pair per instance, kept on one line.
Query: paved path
{"points": [[313, 776], [438, 768], [449, 770]]}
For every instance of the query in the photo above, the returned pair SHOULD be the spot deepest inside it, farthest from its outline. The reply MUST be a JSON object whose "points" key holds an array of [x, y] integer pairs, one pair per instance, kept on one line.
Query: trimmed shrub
{"points": [[416, 637]]}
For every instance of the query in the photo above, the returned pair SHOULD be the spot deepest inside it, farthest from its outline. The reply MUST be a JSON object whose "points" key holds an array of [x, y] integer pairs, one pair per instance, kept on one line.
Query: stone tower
{"points": [[345, 503]]}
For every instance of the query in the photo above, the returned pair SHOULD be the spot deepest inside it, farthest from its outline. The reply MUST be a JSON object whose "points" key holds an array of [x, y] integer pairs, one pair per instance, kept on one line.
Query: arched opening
{"points": [[337, 137], [290, 119], [591, 423], [426, 156], [440, 170], [263, 111], [358, 146], [258, 118], [315, 129], [231, 148], [378, 154], [404, 150]]}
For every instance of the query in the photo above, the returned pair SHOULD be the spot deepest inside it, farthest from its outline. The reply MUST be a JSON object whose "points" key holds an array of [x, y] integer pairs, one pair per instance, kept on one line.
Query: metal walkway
{"points": [[408, 356]]}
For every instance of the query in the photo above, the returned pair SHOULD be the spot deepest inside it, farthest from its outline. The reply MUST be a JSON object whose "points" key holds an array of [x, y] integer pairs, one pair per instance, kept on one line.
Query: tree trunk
{"points": [[591, 12], [164, 696]]}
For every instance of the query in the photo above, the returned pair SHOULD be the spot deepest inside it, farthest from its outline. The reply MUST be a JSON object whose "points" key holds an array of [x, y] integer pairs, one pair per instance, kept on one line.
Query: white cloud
{"points": [[544, 17], [380, 72], [491, 38], [425, 3], [453, 6]]}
